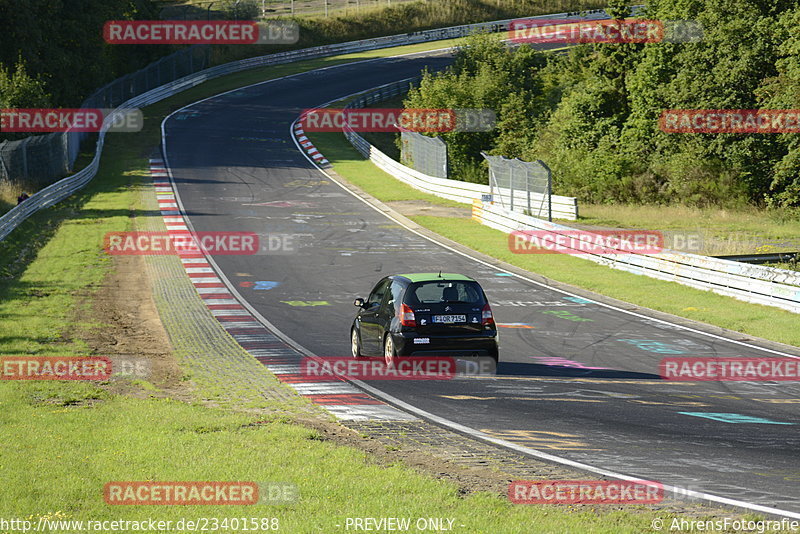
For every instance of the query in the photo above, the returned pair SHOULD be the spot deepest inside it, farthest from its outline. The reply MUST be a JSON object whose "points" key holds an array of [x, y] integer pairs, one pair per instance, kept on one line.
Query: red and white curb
{"points": [[306, 144], [342, 399]]}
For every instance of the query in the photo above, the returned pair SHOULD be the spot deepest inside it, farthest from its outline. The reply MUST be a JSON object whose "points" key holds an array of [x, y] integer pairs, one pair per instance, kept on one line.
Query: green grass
{"points": [[386, 141], [367, 176], [725, 231], [752, 319], [62, 441], [707, 307], [8, 195], [58, 452], [55, 257]]}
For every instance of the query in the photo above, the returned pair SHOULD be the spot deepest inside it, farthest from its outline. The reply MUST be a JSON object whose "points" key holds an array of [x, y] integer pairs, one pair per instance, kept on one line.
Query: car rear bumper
{"points": [[453, 346]]}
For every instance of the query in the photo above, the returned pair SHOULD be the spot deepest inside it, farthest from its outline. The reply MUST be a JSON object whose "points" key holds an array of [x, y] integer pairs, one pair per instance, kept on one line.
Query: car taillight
{"points": [[487, 319], [406, 316]]}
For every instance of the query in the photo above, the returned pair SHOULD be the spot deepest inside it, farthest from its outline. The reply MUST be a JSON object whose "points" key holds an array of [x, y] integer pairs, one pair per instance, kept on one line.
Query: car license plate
{"points": [[449, 319]]}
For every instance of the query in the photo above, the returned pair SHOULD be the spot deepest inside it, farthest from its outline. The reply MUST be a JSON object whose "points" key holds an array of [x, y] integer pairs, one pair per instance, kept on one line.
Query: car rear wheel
{"points": [[389, 353], [355, 343]]}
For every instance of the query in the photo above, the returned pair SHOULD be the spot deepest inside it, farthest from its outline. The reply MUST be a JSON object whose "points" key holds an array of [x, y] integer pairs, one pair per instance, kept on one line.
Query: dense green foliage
{"points": [[60, 43], [592, 114], [18, 89], [52, 52], [403, 18]]}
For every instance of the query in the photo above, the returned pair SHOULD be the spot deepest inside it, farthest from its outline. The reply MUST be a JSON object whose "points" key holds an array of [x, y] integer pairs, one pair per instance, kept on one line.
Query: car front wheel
{"points": [[355, 343]]}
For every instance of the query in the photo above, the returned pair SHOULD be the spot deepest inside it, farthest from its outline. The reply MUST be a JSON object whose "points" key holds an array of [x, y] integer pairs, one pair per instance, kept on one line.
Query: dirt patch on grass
{"points": [[413, 208], [130, 331]]}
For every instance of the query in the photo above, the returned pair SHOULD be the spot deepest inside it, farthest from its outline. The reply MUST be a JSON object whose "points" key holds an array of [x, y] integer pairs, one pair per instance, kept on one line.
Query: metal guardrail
{"points": [[464, 192], [752, 283], [69, 185], [758, 259]]}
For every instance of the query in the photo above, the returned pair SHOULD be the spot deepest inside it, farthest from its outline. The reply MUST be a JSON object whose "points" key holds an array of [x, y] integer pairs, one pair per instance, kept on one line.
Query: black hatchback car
{"points": [[424, 314]]}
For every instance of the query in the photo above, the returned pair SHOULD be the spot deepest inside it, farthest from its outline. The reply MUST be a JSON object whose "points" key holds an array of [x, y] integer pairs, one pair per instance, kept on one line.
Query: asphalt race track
{"points": [[237, 169]]}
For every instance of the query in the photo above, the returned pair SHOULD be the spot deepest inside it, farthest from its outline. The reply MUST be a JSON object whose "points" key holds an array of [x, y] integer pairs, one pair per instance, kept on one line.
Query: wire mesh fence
{"points": [[425, 154], [34, 161], [40, 160], [521, 186]]}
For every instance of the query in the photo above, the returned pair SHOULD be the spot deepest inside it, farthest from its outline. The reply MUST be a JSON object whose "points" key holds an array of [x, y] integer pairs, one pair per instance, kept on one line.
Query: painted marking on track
{"points": [[323, 388], [651, 345], [503, 274], [470, 397], [265, 285], [792, 476], [376, 412], [350, 399], [578, 300], [684, 404], [542, 439], [306, 302], [564, 314], [515, 325], [734, 418], [567, 380], [525, 303], [563, 362]]}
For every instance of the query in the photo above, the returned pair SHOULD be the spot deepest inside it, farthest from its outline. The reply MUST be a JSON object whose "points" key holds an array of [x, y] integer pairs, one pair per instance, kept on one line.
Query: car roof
{"points": [[434, 277]]}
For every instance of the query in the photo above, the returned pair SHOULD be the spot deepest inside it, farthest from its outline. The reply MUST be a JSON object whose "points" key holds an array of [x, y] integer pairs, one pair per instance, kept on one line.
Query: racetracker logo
{"points": [[741, 121], [70, 120], [181, 242], [585, 492], [579, 242], [406, 368], [412, 368], [586, 31], [55, 368], [730, 369], [181, 493], [200, 32], [379, 120]]}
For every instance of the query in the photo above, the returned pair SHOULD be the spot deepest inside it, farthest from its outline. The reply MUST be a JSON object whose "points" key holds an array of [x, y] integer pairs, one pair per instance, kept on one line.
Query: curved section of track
{"points": [[588, 390]]}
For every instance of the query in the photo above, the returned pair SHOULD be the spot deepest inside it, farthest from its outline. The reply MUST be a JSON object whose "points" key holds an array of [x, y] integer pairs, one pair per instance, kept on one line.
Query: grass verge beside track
{"points": [[752, 319], [62, 441], [58, 454]]}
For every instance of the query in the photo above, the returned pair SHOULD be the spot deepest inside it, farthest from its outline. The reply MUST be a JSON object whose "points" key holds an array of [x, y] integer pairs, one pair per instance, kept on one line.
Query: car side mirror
{"points": [[359, 302]]}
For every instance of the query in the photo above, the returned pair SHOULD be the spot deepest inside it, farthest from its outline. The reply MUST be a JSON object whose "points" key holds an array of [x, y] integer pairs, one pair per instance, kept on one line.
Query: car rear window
{"points": [[444, 291]]}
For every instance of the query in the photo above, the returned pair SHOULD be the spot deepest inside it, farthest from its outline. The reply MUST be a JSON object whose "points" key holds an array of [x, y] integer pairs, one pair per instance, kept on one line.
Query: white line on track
{"points": [[418, 411]]}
